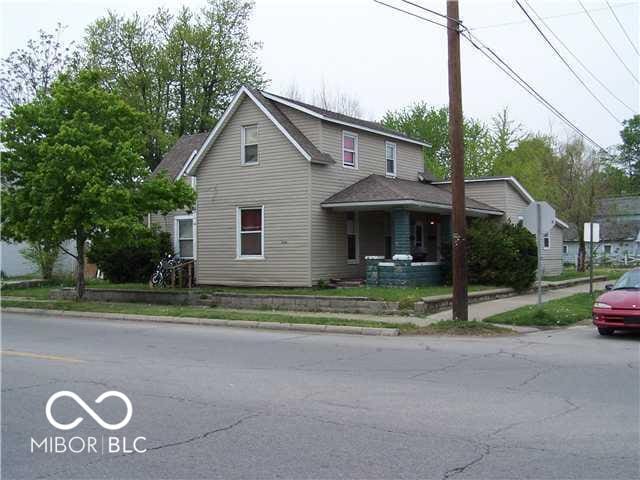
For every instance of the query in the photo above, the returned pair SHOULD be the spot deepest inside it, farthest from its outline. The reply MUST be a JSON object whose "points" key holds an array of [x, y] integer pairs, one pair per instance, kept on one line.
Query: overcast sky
{"points": [[387, 59]]}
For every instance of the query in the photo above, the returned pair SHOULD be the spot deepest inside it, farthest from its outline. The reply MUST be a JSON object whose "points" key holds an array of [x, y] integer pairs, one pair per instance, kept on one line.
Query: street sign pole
{"points": [[591, 258], [539, 239]]}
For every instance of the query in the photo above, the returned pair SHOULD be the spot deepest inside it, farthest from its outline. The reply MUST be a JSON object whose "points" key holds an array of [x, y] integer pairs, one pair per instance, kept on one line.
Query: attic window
{"points": [[349, 150], [249, 141]]}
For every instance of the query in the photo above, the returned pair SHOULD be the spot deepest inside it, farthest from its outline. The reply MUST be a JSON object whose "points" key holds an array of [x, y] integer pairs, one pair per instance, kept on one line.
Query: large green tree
{"points": [[181, 70], [630, 151], [73, 169]]}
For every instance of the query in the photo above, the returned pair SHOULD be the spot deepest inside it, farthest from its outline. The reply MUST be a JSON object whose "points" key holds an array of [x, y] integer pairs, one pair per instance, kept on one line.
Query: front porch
{"points": [[411, 253], [398, 229]]}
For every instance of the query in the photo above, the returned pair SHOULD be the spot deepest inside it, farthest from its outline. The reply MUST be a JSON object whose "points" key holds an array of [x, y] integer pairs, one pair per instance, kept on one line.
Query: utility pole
{"points": [[456, 147]]}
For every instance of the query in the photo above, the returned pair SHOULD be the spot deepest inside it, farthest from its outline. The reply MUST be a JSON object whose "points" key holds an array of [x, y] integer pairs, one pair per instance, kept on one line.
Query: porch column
{"points": [[401, 232]]}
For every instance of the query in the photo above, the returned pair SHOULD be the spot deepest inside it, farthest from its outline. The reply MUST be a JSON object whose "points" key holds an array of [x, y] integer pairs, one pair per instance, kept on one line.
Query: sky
{"points": [[388, 60]]}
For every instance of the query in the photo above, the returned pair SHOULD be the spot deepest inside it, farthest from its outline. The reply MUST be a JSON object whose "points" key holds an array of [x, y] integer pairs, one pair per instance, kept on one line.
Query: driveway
{"points": [[232, 403]]}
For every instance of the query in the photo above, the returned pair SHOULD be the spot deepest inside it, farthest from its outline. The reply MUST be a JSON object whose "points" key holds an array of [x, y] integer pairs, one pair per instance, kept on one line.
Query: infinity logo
{"points": [[89, 410]]}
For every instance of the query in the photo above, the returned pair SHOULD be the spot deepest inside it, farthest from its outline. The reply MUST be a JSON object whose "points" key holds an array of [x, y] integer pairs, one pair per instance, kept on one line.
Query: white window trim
{"points": [[565, 249], [356, 232], [395, 159], [545, 237], [355, 150], [239, 255], [242, 145], [604, 249], [176, 235]]}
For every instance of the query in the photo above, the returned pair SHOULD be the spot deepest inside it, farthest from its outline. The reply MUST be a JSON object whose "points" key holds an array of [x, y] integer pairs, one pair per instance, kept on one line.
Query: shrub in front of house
{"points": [[501, 254], [131, 256]]}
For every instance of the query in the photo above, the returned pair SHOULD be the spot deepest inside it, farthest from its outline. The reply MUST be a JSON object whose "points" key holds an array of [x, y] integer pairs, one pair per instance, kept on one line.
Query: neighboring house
{"points": [[619, 219], [13, 264], [291, 194], [508, 194]]}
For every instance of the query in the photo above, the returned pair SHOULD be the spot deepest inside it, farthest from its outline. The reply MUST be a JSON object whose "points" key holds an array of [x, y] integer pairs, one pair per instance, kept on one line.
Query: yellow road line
{"points": [[41, 356]]}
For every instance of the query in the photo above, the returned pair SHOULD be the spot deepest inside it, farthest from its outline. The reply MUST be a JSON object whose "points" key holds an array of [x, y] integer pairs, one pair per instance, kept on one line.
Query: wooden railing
{"points": [[182, 275]]}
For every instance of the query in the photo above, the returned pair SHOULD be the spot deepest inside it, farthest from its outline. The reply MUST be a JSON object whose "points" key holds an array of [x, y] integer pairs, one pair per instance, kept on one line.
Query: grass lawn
{"points": [[554, 313], [440, 328], [407, 296], [570, 273]]}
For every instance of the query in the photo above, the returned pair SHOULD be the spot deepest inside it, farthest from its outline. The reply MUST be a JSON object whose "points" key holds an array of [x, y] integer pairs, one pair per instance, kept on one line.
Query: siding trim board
{"points": [[435, 207]]}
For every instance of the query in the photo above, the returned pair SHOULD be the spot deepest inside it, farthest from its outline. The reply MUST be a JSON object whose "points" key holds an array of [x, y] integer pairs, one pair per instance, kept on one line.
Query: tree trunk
{"points": [[582, 253], [80, 283]]}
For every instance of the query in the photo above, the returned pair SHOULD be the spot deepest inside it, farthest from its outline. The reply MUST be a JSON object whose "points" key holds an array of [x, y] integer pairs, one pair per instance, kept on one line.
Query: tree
{"points": [[328, 98], [27, 71], [182, 70], [43, 256], [506, 132], [431, 124], [630, 150], [73, 169], [529, 161], [579, 183]]}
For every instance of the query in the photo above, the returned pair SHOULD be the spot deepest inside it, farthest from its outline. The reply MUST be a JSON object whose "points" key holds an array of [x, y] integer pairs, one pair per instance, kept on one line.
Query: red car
{"points": [[619, 307]]}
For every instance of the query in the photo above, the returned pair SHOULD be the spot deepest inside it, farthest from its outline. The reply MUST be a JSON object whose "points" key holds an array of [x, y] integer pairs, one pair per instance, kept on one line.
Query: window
{"points": [[349, 150], [565, 249], [184, 236], [546, 241], [607, 249], [352, 237], [250, 233], [249, 145], [390, 158]]}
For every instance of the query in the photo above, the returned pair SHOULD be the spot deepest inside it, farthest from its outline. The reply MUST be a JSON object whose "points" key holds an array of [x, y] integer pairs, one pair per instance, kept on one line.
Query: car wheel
{"points": [[605, 331]]}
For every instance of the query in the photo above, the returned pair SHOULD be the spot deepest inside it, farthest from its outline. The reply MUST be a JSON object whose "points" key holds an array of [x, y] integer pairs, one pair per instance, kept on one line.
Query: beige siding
{"points": [[328, 228], [280, 183], [552, 257]]}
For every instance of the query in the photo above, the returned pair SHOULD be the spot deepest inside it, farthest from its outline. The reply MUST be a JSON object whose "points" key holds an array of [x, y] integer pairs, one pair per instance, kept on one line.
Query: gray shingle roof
{"points": [[610, 231], [339, 117], [175, 159], [378, 188], [619, 206]]}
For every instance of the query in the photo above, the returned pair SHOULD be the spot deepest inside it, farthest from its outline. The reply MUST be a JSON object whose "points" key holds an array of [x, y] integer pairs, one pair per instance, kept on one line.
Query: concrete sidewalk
{"points": [[480, 311]]}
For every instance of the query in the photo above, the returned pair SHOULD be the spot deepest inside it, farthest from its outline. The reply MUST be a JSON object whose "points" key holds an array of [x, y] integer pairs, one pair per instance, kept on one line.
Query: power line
{"points": [[546, 39], [505, 68], [580, 62], [441, 15], [412, 14], [608, 42], [562, 15], [633, 45]]}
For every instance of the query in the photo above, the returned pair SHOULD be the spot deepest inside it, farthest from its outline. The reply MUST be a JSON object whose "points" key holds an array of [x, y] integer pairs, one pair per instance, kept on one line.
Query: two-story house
{"points": [[291, 194]]}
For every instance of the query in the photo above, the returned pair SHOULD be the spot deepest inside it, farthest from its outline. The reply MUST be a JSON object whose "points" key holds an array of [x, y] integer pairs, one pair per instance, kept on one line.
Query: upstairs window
{"points": [[390, 158], [349, 150], [249, 145], [546, 241], [250, 232]]}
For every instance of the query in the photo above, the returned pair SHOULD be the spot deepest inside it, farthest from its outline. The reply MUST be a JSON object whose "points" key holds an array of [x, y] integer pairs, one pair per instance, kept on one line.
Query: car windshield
{"points": [[630, 280]]}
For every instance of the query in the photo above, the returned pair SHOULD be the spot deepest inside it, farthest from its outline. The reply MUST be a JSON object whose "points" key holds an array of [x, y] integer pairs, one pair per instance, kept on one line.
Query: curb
{"points": [[305, 327]]}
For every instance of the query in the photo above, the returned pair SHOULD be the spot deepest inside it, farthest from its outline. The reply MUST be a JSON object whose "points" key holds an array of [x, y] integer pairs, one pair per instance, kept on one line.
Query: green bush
{"points": [[131, 256], [498, 253]]}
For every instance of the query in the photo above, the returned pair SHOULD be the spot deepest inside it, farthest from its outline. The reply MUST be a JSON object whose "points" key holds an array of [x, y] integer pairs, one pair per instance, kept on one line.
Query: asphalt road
{"points": [[234, 403]]}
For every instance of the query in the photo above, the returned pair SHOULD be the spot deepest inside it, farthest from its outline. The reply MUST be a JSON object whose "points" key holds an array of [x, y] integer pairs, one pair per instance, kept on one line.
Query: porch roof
{"points": [[381, 191]]}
